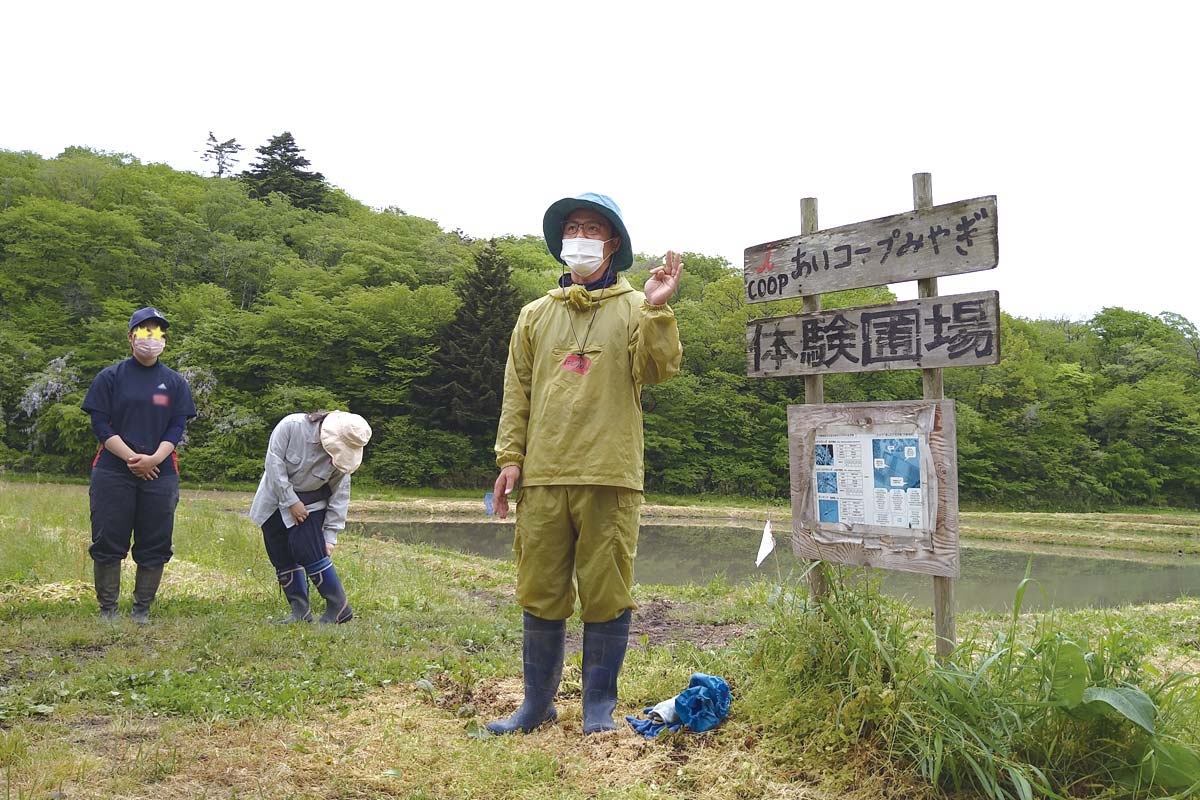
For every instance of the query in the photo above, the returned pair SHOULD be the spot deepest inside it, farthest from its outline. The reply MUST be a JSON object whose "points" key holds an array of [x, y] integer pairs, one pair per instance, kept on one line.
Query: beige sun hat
{"points": [[344, 435]]}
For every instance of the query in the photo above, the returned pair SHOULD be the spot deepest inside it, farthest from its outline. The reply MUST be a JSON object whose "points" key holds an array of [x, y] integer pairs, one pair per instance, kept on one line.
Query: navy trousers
{"points": [[124, 505], [297, 546]]}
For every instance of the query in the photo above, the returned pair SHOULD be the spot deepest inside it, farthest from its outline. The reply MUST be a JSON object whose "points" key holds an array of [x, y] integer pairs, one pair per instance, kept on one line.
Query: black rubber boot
{"points": [[604, 646], [107, 576], [542, 654], [145, 587], [295, 589], [325, 578]]}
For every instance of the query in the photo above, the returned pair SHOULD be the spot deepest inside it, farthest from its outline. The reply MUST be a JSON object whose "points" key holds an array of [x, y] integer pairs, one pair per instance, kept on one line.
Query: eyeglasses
{"points": [[592, 230], [144, 332]]}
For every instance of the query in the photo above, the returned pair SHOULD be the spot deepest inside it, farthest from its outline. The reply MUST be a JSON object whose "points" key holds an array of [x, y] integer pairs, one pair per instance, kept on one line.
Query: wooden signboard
{"points": [[947, 331], [941, 240], [876, 484]]}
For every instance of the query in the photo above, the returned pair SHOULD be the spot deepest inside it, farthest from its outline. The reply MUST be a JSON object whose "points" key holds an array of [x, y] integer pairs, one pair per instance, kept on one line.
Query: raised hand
{"points": [[664, 280]]}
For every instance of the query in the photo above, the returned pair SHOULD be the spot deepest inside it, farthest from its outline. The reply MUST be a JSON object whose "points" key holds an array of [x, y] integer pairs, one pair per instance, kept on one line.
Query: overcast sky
{"points": [[707, 122]]}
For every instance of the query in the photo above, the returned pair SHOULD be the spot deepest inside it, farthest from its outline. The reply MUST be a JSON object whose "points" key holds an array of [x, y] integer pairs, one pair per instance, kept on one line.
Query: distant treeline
{"points": [[285, 294]]}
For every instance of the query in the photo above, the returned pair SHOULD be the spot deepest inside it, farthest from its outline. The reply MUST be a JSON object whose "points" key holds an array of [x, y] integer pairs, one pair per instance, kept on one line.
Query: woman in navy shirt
{"points": [[139, 409]]}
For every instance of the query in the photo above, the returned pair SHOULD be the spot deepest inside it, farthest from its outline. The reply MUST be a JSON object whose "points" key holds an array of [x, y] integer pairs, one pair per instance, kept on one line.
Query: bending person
{"points": [[301, 505], [139, 409]]}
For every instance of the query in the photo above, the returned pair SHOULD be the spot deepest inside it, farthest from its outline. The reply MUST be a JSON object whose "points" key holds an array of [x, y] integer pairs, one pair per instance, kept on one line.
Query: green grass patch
{"points": [[1035, 705], [840, 700]]}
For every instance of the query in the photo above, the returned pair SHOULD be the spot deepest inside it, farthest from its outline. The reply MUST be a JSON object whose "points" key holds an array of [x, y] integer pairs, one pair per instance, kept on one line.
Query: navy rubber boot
{"points": [[542, 655], [325, 579], [295, 589], [145, 587], [604, 645], [108, 587]]}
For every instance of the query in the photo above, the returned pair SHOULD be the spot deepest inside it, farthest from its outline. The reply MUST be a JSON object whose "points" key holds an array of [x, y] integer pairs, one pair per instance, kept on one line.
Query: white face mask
{"points": [[583, 256]]}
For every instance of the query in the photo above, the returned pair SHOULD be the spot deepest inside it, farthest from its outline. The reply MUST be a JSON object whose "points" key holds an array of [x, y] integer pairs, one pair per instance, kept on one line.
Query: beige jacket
{"points": [[583, 425]]}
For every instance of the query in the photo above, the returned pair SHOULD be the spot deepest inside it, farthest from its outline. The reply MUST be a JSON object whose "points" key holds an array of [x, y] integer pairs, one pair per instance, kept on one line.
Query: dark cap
{"points": [[143, 314]]}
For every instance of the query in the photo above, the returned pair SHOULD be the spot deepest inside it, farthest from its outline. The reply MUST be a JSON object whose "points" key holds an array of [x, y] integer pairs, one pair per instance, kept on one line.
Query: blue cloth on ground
{"points": [[649, 728], [705, 703], [700, 707]]}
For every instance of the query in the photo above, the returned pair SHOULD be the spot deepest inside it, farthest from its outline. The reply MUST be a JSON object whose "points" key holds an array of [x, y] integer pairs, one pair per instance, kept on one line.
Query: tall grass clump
{"points": [[1028, 707]]}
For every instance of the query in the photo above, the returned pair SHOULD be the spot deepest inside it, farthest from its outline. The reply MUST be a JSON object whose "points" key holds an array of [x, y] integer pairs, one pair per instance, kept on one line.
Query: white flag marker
{"points": [[766, 545]]}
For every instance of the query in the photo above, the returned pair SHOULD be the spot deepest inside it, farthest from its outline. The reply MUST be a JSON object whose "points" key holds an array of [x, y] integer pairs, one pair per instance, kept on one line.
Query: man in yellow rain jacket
{"points": [[571, 432]]}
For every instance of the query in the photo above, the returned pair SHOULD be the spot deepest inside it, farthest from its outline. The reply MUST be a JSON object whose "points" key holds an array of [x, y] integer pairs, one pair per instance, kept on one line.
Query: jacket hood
{"points": [[581, 299]]}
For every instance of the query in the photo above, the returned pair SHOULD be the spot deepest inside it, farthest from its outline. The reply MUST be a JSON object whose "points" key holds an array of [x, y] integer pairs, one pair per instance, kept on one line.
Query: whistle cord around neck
{"points": [[588, 332]]}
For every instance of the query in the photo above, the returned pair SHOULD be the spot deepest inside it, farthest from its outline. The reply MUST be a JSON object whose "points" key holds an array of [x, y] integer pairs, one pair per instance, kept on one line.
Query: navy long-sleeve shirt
{"points": [[145, 406]]}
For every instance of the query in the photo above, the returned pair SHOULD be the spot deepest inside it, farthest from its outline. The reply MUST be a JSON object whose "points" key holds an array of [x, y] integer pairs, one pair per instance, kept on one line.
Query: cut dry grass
{"points": [[393, 744]]}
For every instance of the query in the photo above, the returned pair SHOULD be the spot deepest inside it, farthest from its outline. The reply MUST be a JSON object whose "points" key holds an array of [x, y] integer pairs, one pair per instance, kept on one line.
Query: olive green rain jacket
{"points": [[563, 427]]}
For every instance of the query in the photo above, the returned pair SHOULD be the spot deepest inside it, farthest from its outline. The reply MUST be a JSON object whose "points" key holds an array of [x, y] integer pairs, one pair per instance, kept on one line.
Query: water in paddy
{"points": [[678, 554]]}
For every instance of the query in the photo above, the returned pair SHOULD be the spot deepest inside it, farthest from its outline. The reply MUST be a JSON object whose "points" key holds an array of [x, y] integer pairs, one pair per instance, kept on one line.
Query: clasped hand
{"points": [[143, 466]]}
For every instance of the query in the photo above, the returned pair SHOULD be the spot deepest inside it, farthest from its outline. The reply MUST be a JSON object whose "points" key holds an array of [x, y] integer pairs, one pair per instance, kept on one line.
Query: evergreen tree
{"points": [[464, 389], [223, 153], [280, 168]]}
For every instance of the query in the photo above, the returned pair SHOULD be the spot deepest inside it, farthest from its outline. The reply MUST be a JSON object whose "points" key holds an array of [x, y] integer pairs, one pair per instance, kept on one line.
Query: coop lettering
{"points": [[786, 264]]}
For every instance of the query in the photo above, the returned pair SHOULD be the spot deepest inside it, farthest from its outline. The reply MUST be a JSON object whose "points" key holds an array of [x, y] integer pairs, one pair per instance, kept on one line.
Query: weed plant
{"points": [[1040, 709]]}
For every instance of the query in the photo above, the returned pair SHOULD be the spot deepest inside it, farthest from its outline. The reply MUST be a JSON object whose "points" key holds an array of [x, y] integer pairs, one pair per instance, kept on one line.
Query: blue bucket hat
{"points": [[143, 314], [556, 217]]}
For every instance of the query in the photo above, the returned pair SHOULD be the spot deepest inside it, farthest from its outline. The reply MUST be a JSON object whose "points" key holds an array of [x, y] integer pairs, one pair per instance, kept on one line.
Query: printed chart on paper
{"points": [[869, 479]]}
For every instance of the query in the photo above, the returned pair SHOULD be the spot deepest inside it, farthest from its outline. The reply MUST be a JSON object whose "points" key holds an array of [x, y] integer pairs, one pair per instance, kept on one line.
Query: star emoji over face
{"points": [[143, 332]]}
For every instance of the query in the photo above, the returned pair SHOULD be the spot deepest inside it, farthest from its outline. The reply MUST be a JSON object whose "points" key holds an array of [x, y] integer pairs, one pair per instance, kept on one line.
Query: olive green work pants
{"points": [[576, 540]]}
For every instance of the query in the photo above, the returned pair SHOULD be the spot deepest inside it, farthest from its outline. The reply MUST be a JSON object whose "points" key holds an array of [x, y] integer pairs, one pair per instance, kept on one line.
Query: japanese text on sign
{"points": [[948, 331], [943, 240]]}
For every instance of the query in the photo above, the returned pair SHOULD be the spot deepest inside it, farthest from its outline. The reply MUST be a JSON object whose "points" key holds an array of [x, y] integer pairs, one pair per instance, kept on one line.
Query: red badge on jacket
{"points": [[577, 363], [162, 400]]}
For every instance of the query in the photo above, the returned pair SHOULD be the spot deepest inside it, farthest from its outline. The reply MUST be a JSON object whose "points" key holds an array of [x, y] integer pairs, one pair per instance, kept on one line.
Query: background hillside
{"points": [[286, 294]]}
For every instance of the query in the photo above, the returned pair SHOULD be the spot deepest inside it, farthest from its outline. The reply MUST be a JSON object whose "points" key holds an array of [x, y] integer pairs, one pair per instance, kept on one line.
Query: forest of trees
{"points": [[285, 294]]}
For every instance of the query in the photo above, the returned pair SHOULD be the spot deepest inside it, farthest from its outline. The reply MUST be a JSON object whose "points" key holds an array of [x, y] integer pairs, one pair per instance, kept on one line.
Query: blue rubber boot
{"points": [[295, 589], [542, 654], [604, 646], [325, 578]]}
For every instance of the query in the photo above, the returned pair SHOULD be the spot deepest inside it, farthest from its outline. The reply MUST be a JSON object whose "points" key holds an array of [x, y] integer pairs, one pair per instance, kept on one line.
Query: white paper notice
{"points": [[869, 479]]}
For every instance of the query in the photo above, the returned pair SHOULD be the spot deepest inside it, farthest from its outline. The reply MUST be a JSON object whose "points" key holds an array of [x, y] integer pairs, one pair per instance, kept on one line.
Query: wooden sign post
{"points": [[877, 483], [814, 384], [930, 241], [931, 385], [961, 330]]}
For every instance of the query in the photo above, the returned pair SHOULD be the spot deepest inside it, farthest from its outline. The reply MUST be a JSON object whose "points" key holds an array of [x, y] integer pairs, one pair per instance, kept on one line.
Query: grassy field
{"points": [[211, 701]]}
